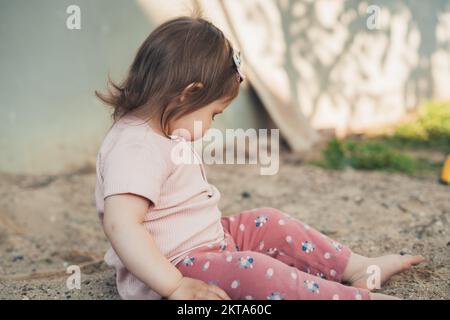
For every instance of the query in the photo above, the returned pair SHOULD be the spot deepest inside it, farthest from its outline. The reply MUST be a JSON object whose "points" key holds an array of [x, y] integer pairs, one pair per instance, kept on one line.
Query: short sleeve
{"points": [[134, 168]]}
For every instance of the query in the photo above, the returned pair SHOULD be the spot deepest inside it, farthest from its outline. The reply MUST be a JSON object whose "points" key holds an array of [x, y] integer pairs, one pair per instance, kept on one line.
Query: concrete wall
{"points": [[320, 54], [348, 64], [51, 122]]}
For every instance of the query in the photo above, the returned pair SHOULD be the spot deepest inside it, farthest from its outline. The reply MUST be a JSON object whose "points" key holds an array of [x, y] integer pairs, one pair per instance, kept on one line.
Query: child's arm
{"points": [[123, 225]]}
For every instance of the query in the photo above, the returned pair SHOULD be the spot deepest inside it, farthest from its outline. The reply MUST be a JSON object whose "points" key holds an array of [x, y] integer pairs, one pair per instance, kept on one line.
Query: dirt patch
{"points": [[48, 223]]}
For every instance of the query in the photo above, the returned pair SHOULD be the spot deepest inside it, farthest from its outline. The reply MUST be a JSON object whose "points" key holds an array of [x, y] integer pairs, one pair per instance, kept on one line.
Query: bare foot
{"points": [[358, 269]]}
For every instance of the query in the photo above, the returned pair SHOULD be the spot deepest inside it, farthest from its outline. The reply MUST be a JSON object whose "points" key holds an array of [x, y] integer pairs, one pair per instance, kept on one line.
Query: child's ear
{"points": [[190, 88]]}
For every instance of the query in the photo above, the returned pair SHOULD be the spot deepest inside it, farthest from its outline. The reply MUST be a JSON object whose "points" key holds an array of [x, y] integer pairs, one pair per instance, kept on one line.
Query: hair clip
{"points": [[237, 63]]}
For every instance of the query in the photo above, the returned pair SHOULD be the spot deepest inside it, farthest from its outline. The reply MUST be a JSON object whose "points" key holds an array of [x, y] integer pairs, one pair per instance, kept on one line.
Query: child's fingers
{"points": [[221, 293]]}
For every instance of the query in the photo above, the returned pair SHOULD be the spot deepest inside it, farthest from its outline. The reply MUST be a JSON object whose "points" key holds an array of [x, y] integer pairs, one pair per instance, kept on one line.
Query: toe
{"points": [[410, 260], [417, 259]]}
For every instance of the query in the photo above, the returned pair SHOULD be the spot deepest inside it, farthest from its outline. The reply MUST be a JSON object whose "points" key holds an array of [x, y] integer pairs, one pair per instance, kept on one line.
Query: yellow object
{"points": [[445, 175]]}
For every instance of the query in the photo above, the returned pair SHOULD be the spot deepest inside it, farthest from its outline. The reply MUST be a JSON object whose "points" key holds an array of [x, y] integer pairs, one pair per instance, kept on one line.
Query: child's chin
{"points": [[190, 136], [196, 138]]}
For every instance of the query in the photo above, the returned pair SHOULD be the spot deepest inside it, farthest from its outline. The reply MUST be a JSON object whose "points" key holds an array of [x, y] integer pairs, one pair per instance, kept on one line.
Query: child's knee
{"points": [[268, 212]]}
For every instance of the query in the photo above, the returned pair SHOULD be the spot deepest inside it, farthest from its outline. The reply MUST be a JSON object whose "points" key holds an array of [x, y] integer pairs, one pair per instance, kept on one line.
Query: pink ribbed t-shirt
{"points": [[133, 158]]}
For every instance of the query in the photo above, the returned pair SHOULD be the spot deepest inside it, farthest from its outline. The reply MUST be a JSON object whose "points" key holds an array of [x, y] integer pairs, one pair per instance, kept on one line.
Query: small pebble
{"points": [[358, 199], [245, 194], [17, 258], [404, 251]]}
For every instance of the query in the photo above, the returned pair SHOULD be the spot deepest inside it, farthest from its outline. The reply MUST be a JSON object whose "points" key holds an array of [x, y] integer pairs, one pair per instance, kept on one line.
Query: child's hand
{"points": [[193, 289]]}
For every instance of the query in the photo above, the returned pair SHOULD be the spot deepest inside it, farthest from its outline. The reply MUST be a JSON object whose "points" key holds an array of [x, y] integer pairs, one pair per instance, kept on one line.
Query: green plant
{"points": [[369, 155], [333, 155], [431, 129], [372, 155]]}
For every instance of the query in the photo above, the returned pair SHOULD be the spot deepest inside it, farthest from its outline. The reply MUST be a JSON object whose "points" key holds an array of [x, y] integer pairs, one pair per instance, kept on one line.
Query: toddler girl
{"points": [[161, 216]]}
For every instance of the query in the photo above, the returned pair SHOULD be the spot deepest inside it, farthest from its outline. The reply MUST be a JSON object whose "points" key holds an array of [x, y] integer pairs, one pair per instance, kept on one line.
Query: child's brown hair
{"points": [[179, 52]]}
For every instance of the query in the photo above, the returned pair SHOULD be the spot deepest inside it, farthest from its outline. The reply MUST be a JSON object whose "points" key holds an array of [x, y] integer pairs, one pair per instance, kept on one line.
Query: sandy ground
{"points": [[48, 223]]}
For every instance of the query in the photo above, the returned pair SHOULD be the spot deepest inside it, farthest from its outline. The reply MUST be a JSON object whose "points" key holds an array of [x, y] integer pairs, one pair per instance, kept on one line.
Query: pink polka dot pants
{"points": [[267, 254]]}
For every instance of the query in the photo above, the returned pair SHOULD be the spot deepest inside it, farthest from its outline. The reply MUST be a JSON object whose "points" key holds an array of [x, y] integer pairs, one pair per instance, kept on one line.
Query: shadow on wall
{"points": [[341, 74], [346, 75]]}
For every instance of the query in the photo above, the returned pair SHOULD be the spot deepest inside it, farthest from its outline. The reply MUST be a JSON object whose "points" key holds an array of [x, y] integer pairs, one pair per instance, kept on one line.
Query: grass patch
{"points": [[372, 155], [431, 130]]}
